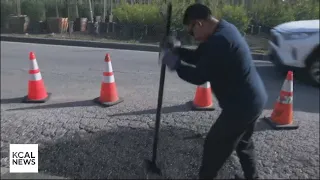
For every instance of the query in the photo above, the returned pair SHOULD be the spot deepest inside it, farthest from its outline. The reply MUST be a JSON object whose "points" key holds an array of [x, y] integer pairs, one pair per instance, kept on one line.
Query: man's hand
{"points": [[170, 42], [170, 59]]}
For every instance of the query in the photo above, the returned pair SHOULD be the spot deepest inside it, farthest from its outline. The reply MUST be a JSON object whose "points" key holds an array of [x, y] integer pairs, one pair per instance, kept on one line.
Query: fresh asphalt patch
{"points": [[79, 139]]}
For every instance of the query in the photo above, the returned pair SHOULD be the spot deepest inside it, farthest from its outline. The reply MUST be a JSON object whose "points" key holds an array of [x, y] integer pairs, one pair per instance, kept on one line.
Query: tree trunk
{"points": [[57, 9], [104, 10], [111, 6], [77, 8], [90, 8], [18, 7], [68, 8]]}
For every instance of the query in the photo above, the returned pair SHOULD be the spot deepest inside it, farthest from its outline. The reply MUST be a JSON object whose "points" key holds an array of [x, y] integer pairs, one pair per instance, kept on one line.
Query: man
{"points": [[223, 58]]}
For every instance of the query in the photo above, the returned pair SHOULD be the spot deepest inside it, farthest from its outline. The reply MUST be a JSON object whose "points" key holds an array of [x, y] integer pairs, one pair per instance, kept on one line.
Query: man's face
{"points": [[196, 29]]}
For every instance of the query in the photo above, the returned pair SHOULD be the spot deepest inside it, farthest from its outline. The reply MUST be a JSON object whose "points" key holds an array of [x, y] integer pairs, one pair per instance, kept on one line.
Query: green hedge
{"points": [[178, 9], [138, 14], [6, 10], [51, 9], [236, 15], [271, 13], [34, 9], [307, 9]]}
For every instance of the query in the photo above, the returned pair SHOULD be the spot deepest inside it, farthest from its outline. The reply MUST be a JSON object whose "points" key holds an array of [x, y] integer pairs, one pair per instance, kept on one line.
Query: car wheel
{"points": [[313, 70]]}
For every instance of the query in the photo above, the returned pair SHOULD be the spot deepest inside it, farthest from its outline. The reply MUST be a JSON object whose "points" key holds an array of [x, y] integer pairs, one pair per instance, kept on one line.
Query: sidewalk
{"points": [[95, 43], [5, 174]]}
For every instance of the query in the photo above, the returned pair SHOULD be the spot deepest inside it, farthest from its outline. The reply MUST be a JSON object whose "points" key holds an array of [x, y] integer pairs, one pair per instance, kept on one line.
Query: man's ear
{"points": [[199, 23]]}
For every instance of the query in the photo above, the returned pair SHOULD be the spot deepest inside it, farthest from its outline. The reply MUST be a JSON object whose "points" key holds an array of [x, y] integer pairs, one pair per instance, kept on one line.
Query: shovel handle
{"points": [[160, 94]]}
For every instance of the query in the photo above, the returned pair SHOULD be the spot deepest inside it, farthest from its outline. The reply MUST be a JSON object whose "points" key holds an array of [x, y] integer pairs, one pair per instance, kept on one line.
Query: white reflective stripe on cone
{"points": [[205, 85], [285, 100], [35, 77], [108, 67], [108, 79], [287, 86], [33, 65]]}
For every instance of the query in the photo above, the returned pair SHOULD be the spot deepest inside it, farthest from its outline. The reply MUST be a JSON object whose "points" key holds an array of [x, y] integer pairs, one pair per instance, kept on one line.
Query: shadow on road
{"points": [[11, 100], [305, 98], [59, 105], [165, 110], [120, 154], [261, 125]]}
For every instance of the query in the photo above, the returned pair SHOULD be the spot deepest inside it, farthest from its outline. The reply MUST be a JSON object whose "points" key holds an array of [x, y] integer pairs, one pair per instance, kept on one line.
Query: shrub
{"points": [[305, 10], [51, 8], [98, 10], [34, 9], [236, 15], [271, 13], [178, 9], [84, 10], [138, 14], [6, 10]]}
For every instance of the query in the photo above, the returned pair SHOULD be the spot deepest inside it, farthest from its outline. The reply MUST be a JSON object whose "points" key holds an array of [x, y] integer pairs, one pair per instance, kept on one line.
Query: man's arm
{"points": [[207, 57], [200, 74], [186, 55], [192, 75]]}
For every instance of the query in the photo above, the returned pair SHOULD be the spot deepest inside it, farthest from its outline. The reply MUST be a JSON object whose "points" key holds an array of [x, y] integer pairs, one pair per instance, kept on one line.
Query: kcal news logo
{"points": [[23, 158]]}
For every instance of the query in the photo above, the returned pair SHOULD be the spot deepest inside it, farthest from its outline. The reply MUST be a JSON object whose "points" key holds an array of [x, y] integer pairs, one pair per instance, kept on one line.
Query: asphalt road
{"points": [[79, 139]]}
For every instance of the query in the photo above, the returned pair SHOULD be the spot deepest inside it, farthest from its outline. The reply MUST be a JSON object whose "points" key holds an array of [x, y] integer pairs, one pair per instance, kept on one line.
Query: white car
{"points": [[295, 45]]}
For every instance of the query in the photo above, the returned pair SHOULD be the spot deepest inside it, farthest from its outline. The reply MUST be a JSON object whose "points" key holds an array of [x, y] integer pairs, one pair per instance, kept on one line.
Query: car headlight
{"points": [[295, 36]]}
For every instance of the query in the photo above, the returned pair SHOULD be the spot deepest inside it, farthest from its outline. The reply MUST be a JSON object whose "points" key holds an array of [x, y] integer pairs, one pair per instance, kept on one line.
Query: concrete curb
{"points": [[95, 44]]}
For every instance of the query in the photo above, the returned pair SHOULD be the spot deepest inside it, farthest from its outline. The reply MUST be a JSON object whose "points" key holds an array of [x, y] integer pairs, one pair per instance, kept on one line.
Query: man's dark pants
{"points": [[232, 131]]}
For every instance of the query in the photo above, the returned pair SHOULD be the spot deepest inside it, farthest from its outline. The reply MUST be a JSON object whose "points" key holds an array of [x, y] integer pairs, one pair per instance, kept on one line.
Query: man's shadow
{"points": [[121, 153]]}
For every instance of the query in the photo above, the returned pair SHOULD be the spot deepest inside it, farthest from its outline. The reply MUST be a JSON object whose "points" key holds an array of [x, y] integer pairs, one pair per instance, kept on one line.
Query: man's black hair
{"points": [[196, 11]]}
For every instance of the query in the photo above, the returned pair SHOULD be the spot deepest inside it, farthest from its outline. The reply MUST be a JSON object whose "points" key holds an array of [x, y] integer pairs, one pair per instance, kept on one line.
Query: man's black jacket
{"points": [[226, 62]]}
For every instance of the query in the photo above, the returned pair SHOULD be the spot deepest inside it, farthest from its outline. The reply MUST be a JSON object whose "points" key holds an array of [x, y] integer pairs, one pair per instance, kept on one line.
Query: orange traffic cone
{"points": [[37, 92], [282, 115], [203, 98], [108, 93]]}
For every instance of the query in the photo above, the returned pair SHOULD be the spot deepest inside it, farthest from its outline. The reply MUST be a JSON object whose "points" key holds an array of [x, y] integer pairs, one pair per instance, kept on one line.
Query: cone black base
{"points": [[107, 104], [280, 127], [195, 108], [27, 100]]}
